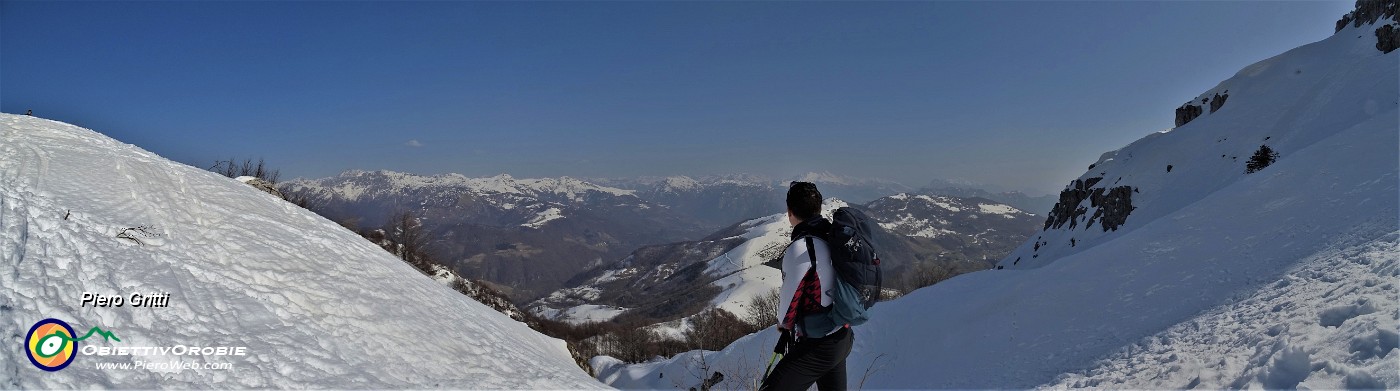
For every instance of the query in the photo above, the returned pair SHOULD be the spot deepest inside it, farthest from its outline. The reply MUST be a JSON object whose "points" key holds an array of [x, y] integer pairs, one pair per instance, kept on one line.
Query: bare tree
{"points": [[410, 240], [925, 274], [233, 168], [763, 310], [715, 328]]}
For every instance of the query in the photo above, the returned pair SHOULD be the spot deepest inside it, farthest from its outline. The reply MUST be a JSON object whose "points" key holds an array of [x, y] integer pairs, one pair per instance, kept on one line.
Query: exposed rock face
{"points": [[1370, 11], [1112, 206], [1387, 38], [1218, 100], [1190, 111], [1068, 209], [1367, 12], [1186, 113]]}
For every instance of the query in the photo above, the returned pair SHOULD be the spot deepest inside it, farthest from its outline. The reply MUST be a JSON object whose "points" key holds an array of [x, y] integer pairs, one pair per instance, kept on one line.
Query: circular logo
{"points": [[50, 345]]}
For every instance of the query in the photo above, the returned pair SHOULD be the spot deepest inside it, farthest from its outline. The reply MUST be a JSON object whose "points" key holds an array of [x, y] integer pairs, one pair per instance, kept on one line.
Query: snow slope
{"points": [[580, 314], [1289, 102], [315, 305], [740, 272], [1282, 278]]}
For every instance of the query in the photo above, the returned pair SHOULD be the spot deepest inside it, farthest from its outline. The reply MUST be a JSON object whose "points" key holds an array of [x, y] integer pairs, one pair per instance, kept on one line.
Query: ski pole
{"points": [[770, 364], [784, 338]]}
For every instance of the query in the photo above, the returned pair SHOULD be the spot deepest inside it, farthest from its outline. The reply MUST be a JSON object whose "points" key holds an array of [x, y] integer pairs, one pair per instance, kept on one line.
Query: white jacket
{"points": [[796, 264]]}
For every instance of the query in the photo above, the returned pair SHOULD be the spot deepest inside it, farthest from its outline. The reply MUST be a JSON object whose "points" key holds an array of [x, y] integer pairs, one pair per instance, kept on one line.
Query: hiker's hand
{"points": [[784, 338]]}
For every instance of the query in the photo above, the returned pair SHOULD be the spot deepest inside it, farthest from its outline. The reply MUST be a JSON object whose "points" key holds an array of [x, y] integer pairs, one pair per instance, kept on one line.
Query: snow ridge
{"points": [[315, 304], [571, 188]]}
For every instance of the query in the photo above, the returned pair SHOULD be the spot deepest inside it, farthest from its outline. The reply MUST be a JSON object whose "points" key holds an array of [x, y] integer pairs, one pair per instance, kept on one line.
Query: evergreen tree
{"points": [[1262, 158]]}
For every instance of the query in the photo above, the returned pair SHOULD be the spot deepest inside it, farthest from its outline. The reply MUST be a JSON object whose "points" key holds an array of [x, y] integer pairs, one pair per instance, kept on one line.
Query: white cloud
{"points": [[413, 143]]}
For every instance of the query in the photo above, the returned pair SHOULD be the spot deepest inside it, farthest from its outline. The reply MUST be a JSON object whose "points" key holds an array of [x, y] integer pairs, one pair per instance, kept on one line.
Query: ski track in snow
{"points": [[315, 305]]}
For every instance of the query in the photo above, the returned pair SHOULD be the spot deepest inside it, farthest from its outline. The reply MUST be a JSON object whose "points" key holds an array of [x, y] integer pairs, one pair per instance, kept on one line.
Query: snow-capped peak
{"points": [[352, 184], [675, 183], [824, 177]]}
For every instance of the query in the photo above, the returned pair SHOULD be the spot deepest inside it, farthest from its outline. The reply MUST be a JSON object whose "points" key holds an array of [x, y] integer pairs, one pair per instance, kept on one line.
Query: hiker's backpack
{"points": [[857, 267]]}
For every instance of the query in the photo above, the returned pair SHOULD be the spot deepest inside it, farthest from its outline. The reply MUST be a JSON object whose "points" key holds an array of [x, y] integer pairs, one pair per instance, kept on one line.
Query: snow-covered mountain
{"points": [[925, 216], [499, 200], [1167, 265], [731, 266], [530, 235], [718, 200], [943, 229], [712, 200], [854, 189], [312, 304], [1019, 200]]}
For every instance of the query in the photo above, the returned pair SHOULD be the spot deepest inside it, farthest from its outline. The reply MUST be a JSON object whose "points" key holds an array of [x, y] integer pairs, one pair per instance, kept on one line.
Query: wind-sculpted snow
{"points": [[1334, 315], [314, 304]]}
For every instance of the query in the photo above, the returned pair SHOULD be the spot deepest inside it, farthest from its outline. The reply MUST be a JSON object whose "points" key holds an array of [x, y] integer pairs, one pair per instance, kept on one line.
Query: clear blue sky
{"points": [[1016, 94]]}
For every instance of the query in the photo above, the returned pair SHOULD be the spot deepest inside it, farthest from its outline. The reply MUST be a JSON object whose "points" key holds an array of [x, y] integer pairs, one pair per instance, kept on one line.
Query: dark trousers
{"points": [[813, 360]]}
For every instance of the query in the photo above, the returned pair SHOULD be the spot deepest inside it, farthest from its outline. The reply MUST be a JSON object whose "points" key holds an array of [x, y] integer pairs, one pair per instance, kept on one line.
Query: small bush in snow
{"points": [[135, 234], [1262, 158]]}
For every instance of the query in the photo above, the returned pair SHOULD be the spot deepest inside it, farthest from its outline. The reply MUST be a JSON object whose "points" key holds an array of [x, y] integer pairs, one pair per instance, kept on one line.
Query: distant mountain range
{"points": [[528, 236], [1034, 204], [531, 237], [713, 201], [720, 200]]}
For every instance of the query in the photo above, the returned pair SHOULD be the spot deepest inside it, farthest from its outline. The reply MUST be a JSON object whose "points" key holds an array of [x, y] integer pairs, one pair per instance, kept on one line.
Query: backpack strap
{"points": [[810, 296], [812, 253]]}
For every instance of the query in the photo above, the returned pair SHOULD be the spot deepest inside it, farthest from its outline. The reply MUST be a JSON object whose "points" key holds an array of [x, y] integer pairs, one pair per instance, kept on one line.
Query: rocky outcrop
{"points": [[1387, 38], [1186, 113], [1111, 206], [1367, 12], [1190, 110], [1218, 101], [1067, 210], [1114, 205], [1370, 11]]}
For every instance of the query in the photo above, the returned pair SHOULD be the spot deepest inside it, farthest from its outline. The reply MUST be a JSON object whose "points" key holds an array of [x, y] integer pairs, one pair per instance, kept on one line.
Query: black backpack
{"points": [[857, 267], [853, 254]]}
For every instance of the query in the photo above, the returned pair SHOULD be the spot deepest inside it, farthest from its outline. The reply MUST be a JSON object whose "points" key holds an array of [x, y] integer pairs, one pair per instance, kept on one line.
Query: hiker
{"points": [[29, 112], [811, 356]]}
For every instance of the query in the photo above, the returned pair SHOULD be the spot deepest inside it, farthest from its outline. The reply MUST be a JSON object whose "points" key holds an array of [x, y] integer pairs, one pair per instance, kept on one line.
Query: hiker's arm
{"points": [[794, 266]]}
